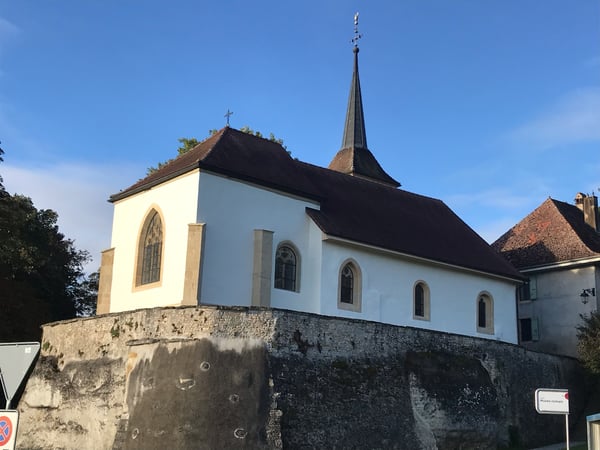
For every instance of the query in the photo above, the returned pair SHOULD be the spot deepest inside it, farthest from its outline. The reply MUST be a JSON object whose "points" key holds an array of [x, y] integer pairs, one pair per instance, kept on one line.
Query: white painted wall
{"points": [[387, 293], [176, 200], [558, 307], [232, 210]]}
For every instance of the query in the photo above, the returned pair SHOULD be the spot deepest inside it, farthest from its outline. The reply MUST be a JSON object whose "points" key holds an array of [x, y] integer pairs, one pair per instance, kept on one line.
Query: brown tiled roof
{"points": [[554, 232], [350, 208], [361, 163], [235, 153]]}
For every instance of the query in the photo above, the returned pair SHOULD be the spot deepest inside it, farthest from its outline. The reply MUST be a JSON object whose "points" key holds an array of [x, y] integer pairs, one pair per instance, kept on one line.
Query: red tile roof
{"points": [[554, 232], [351, 208]]}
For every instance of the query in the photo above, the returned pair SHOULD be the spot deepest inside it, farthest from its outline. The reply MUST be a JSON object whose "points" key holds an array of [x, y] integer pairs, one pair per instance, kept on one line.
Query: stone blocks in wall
{"points": [[215, 377]]}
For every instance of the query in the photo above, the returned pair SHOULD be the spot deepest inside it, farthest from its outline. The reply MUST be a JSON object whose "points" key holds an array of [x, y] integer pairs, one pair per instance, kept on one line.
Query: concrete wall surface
{"points": [[231, 377]]}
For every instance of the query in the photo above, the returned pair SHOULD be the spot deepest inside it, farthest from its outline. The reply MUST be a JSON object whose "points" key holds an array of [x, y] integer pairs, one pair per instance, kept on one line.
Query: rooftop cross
{"points": [[357, 36], [228, 115]]}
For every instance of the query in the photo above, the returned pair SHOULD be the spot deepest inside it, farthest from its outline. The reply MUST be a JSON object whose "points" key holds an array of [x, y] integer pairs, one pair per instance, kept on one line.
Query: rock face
{"points": [[226, 378]]}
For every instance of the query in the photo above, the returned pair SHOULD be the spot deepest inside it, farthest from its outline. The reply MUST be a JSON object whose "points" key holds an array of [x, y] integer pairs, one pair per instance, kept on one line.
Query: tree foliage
{"points": [[588, 345], [41, 271], [189, 143], [186, 146]]}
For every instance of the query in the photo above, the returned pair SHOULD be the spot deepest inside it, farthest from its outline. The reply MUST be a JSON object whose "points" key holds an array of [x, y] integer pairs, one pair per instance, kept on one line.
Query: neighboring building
{"points": [[558, 247], [237, 221]]}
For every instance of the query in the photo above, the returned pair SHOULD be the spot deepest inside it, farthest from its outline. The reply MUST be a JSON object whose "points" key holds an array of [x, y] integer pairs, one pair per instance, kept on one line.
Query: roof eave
{"points": [[147, 186], [572, 263]]}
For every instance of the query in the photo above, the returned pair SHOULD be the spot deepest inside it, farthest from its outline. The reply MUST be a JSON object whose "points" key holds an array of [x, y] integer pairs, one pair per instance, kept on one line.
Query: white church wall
{"points": [[387, 293], [232, 210], [176, 201]]}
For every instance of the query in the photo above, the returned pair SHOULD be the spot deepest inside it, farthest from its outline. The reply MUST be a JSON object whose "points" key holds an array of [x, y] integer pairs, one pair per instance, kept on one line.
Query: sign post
{"points": [[15, 361], [8, 429], [553, 401]]}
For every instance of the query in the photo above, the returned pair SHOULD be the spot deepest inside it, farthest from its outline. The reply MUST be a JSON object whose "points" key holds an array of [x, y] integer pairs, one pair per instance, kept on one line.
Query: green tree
{"points": [[2, 190], [41, 271], [588, 345], [86, 295], [188, 144]]}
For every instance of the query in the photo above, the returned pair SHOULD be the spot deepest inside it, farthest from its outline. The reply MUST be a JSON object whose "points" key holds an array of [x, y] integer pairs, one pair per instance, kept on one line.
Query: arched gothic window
{"points": [[286, 268], [150, 250], [350, 287], [421, 301], [347, 285]]}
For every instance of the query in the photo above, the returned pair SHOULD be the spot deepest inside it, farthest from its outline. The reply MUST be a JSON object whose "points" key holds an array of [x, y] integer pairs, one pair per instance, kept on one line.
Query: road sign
{"points": [[15, 361], [552, 401], [8, 429]]}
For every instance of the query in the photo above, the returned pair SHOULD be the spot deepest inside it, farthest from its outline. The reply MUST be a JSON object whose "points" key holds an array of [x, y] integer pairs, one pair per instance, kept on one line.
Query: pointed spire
{"points": [[355, 135], [354, 158]]}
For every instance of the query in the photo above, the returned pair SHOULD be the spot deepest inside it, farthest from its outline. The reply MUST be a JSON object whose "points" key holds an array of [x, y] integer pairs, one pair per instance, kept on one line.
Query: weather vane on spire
{"points": [[357, 36]]}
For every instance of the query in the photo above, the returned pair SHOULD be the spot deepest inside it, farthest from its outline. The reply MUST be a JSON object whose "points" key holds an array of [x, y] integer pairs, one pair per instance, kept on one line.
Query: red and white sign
{"points": [[8, 429], [552, 401]]}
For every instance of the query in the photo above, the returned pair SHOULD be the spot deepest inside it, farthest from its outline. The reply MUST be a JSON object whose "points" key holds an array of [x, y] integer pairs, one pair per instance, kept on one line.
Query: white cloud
{"points": [[78, 193], [573, 119]]}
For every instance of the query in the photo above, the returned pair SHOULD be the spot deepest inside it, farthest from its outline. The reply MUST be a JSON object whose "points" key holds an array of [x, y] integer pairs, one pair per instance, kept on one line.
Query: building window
{"points": [[150, 250], [349, 295], [347, 284], [525, 330], [286, 268], [529, 329], [485, 314], [421, 301], [528, 290]]}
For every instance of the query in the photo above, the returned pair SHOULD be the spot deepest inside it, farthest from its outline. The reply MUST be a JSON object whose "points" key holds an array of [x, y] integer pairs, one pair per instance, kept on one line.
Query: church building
{"points": [[237, 221]]}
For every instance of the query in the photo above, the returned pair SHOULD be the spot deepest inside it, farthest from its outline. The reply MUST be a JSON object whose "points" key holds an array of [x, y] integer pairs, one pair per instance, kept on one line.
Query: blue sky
{"points": [[490, 106]]}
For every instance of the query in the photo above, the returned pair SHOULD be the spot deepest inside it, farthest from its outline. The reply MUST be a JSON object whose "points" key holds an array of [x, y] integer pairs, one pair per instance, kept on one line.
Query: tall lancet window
{"points": [[485, 314], [150, 250], [421, 301], [349, 287], [286, 268]]}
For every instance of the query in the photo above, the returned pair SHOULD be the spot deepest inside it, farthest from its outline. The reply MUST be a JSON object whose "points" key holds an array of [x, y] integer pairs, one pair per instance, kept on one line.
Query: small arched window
{"points": [[349, 296], [150, 250], [286, 268], [485, 314], [421, 301]]}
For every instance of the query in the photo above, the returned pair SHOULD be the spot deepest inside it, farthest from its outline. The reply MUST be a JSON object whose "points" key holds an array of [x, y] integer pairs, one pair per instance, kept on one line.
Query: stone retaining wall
{"points": [[216, 377]]}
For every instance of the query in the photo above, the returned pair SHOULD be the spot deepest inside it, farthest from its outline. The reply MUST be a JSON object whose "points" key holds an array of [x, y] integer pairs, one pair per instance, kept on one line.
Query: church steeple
{"points": [[354, 158]]}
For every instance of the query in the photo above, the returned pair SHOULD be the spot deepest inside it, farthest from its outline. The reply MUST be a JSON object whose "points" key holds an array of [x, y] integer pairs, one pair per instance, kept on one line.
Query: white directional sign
{"points": [[8, 429], [15, 361], [552, 401]]}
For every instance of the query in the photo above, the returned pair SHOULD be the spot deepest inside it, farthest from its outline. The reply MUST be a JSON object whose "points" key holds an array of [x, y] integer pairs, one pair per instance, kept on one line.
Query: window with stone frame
{"points": [[286, 268], [150, 250], [485, 314], [421, 301], [349, 287]]}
